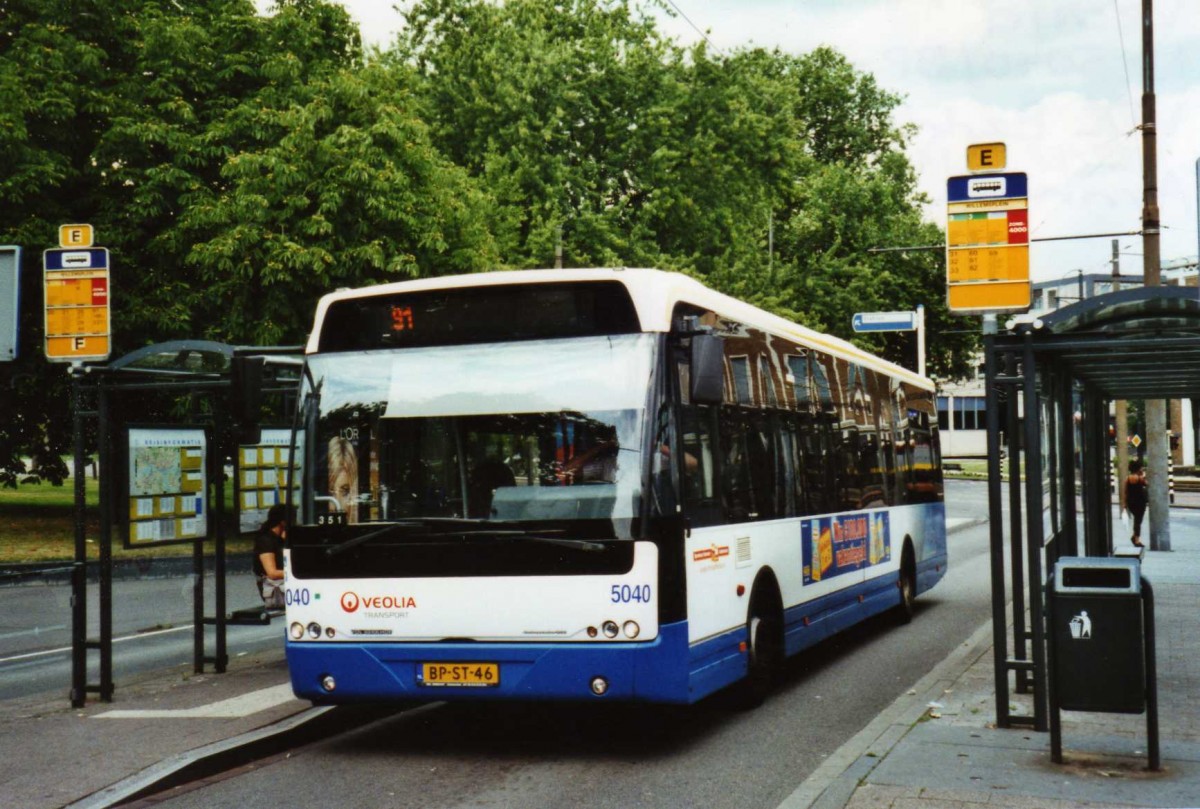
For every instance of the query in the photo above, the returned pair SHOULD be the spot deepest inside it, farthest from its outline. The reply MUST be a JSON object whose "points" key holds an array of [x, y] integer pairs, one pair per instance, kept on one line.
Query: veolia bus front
{"points": [[482, 472]]}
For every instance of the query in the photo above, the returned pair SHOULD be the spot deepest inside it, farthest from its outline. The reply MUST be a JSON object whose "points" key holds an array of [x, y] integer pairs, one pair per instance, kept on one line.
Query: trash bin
{"points": [[1098, 645]]}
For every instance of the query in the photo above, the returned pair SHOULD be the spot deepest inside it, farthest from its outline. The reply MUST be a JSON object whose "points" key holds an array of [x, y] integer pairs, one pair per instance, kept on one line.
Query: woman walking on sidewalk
{"points": [[1135, 498]]}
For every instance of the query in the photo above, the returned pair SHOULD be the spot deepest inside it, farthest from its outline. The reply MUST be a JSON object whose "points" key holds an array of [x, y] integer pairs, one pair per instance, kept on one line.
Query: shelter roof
{"points": [[1131, 344]]}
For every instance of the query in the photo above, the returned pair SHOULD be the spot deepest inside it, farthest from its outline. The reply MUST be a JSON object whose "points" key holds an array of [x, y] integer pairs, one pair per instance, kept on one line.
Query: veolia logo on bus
{"points": [[351, 601]]}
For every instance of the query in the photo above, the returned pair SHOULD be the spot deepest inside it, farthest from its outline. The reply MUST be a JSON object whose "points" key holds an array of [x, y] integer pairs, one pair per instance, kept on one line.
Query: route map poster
{"points": [[837, 545], [167, 488], [263, 476]]}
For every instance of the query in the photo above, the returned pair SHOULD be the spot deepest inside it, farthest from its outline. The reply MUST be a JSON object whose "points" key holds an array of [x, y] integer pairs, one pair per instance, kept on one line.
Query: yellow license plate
{"points": [[467, 675]]}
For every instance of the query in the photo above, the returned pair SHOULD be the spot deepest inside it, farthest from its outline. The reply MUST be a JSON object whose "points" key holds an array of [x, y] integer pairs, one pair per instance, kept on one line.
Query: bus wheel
{"points": [[908, 586], [765, 650]]}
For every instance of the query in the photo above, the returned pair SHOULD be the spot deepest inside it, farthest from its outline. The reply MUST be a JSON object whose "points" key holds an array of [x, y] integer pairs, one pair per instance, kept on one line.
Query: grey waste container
{"points": [[1098, 645]]}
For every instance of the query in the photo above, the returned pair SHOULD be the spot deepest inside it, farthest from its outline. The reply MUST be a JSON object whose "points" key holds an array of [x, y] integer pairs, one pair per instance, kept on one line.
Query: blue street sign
{"points": [[885, 321], [75, 258]]}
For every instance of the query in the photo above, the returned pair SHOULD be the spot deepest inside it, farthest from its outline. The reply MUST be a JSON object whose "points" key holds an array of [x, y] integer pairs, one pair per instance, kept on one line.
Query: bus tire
{"points": [[907, 584], [764, 644]]}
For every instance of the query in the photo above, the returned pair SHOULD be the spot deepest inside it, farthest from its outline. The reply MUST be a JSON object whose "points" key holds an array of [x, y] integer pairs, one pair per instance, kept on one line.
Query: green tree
{"points": [[224, 158], [555, 106], [341, 188]]}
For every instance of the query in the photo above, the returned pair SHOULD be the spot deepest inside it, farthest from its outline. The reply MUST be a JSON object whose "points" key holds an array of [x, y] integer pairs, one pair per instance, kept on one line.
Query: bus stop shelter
{"points": [[186, 384], [1049, 381]]}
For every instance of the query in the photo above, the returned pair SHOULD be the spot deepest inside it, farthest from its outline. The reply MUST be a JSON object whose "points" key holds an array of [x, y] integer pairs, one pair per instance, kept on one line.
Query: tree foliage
{"points": [[239, 165], [236, 165]]}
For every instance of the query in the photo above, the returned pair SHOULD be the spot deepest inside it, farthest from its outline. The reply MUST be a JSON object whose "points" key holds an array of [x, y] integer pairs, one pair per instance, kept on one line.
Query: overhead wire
{"points": [[1125, 64], [695, 28]]}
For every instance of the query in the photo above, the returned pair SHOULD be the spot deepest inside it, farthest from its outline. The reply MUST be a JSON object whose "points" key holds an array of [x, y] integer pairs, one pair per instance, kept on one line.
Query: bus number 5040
{"points": [[624, 593]]}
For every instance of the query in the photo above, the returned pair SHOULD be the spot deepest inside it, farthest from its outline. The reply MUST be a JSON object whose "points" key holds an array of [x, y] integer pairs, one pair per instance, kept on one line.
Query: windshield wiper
{"points": [[480, 528], [578, 544]]}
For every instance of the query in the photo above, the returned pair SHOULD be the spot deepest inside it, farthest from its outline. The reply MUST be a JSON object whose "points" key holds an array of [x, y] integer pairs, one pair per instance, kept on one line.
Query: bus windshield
{"points": [[535, 431]]}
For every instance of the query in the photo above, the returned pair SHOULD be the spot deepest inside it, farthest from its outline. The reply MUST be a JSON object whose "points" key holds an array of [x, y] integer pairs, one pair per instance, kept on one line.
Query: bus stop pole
{"points": [[106, 560], [221, 657], [996, 531], [79, 647], [1033, 529], [1016, 533]]}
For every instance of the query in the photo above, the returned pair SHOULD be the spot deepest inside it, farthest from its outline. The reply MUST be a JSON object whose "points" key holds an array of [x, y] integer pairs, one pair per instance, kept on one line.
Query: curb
{"points": [[300, 729], [833, 783], [970, 522]]}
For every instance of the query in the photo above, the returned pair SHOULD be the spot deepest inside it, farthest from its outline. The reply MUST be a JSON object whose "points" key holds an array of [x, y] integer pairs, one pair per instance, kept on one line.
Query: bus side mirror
{"points": [[246, 381], [708, 369]]}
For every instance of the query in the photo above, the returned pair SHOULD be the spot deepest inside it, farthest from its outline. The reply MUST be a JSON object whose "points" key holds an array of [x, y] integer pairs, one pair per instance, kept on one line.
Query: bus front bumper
{"points": [[335, 673]]}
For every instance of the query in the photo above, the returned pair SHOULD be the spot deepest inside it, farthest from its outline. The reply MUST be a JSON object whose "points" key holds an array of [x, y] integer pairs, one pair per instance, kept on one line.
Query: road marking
{"points": [[233, 708], [38, 630], [61, 649]]}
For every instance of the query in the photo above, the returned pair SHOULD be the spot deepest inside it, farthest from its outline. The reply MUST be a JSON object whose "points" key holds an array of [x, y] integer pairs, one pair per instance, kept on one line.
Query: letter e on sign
{"points": [[986, 157], [75, 235]]}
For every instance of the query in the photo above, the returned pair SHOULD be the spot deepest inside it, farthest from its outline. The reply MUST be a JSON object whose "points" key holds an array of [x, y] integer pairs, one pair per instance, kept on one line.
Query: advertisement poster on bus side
{"points": [[834, 546]]}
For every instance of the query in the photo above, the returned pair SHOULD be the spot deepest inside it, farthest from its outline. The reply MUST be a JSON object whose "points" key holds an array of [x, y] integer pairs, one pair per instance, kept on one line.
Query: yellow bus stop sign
{"points": [[77, 315], [987, 243]]}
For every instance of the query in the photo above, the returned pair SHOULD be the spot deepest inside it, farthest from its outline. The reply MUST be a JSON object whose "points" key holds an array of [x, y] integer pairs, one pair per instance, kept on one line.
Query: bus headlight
{"points": [[328, 683], [314, 630], [296, 630], [610, 629], [599, 686], [631, 629]]}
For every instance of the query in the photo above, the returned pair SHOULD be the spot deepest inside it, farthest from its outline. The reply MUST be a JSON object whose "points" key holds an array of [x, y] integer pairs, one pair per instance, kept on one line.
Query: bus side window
{"points": [[701, 504], [790, 473], [762, 461], [736, 491]]}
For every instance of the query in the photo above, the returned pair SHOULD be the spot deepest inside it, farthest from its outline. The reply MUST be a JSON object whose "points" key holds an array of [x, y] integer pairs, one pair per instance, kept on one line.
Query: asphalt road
{"points": [[707, 755], [152, 629]]}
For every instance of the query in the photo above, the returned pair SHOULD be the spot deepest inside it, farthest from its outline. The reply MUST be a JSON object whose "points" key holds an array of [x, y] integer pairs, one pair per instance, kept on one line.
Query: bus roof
{"points": [[655, 294]]}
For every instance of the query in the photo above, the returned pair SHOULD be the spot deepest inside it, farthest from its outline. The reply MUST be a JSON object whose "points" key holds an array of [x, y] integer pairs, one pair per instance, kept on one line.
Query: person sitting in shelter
{"points": [[268, 557]]}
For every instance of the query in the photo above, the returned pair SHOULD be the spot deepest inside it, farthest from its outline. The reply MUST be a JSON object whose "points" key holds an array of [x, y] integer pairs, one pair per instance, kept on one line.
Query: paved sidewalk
{"points": [[938, 747], [55, 755]]}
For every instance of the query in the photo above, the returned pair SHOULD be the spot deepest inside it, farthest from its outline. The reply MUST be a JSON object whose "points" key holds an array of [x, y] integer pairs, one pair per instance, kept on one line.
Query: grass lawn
{"points": [[967, 468], [37, 524]]}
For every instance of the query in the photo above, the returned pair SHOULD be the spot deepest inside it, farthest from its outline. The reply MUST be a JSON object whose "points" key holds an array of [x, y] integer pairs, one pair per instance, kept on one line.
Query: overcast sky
{"points": [[1048, 77]]}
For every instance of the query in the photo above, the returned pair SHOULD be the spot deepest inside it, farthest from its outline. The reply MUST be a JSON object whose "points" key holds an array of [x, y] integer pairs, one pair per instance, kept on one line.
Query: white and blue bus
{"points": [[593, 484]]}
